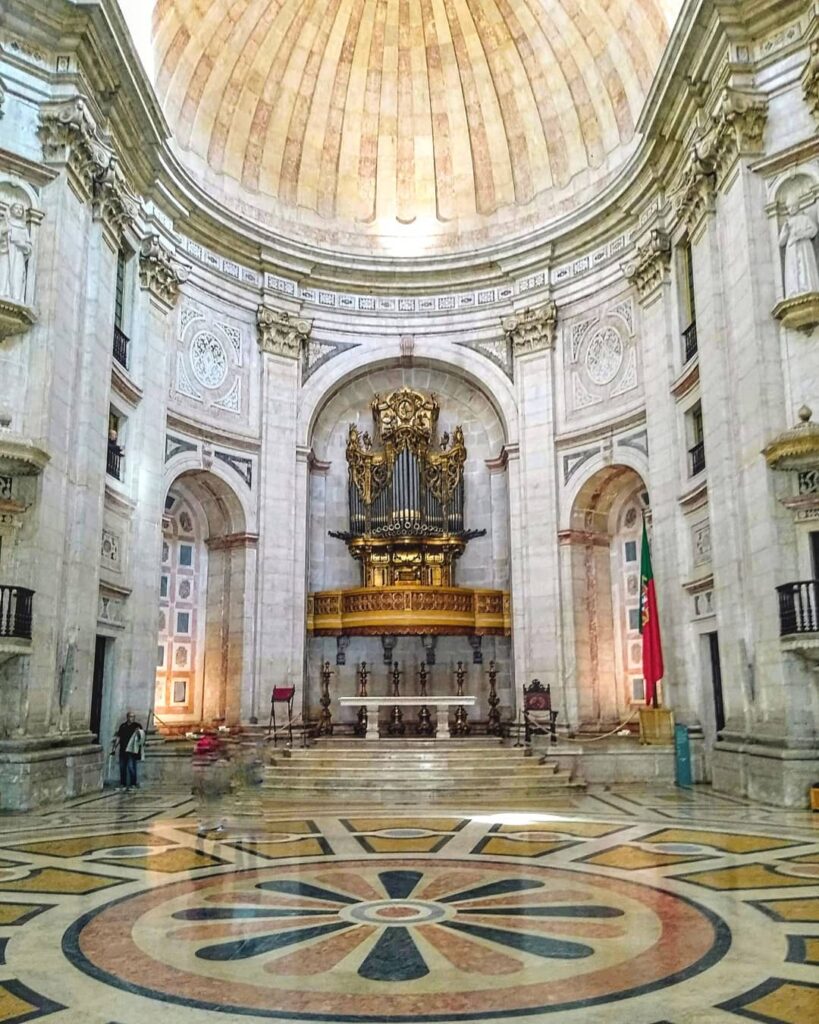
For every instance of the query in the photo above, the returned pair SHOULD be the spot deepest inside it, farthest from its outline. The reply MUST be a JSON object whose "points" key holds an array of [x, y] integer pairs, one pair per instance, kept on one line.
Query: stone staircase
{"points": [[392, 772]]}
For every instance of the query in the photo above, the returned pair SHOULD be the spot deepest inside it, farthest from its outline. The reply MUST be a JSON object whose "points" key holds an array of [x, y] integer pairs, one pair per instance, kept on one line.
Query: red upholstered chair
{"points": [[538, 715], [282, 695]]}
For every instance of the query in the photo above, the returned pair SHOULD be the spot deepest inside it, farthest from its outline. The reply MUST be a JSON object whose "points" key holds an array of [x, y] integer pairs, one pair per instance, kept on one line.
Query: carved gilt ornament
{"points": [[532, 330], [280, 333]]}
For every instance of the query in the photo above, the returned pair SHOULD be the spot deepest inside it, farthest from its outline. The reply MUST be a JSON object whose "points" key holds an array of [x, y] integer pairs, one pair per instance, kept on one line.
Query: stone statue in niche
{"points": [[798, 239], [15, 251]]}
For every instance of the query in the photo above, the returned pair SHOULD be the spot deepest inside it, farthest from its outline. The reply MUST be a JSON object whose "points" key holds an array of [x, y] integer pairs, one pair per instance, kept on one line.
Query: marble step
{"points": [[549, 778], [376, 772]]}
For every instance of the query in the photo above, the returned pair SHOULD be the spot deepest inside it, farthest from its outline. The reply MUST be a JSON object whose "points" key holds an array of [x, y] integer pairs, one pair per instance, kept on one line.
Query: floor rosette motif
{"points": [[393, 940]]}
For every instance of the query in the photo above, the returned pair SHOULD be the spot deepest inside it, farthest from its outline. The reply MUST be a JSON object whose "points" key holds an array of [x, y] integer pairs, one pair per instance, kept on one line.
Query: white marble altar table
{"points": [[441, 705]]}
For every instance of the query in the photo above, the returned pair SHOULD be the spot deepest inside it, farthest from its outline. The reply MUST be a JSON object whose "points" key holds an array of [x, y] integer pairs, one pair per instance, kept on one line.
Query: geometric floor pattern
{"points": [[630, 906]]}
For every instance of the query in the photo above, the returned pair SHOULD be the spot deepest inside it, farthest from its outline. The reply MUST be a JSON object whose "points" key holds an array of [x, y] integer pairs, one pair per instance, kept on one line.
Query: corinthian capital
{"points": [[810, 79], [648, 268], [280, 333], [70, 136], [532, 330], [159, 271]]}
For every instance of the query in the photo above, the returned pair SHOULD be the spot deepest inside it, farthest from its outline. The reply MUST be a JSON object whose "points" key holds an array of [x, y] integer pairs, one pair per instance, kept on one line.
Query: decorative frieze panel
{"points": [[159, 271], [211, 362], [111, 550], [703, 604], [316, 353], [701, 543], [111, 610], [601, 356], [70, 136], [282, 334], [532, 330], [496, 350]]}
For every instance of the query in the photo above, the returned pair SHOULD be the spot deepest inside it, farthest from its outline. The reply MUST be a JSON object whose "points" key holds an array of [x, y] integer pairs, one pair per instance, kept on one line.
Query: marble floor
{"points": [[626, 905]]}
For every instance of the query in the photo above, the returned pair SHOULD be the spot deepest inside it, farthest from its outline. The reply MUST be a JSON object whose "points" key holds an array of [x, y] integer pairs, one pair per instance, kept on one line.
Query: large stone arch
{"points": [[487, 378], [212, 590], [600, 570]]}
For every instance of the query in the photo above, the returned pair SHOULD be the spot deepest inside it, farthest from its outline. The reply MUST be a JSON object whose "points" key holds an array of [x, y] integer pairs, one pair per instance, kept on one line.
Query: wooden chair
{"points": [[538, 715], [282, 695]]}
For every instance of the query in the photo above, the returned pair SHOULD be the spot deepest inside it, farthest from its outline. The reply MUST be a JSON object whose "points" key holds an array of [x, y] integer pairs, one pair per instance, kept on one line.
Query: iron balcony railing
{"points": [[690, 340], [696, 457], [15, 612], [121, 347], [113, 463], [798, 607]]}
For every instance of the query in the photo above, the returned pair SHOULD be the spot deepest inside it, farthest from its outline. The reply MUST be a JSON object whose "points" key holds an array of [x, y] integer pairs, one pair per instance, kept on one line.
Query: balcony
{"points": [[690, 341], [15, 621], [798, 608], [121, 347], [696, 459], [113, 461]]}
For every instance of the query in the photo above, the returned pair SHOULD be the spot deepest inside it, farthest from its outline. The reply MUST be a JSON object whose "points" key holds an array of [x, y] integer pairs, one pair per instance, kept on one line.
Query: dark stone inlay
{"points": [[400, 884], [553, 949], [395, 957], [243, 949]]}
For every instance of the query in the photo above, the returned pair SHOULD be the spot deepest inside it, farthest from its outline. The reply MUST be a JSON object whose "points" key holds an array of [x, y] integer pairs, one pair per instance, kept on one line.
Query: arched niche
{"points": [[202, 641], [603, 577]]}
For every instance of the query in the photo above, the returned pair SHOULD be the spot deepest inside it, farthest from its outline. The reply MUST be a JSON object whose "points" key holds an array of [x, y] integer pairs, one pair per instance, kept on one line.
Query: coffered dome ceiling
{"points": [[407, 126]]}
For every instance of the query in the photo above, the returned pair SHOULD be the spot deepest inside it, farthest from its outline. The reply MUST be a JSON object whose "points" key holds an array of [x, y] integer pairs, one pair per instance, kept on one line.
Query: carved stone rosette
{"points": [[532, 330], [280, 333], [71, 136], [159, 271], [649, 267]]}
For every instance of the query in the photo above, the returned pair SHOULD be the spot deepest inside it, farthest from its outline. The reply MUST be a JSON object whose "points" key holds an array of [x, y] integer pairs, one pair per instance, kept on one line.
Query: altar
{"points": [[441, 705]]}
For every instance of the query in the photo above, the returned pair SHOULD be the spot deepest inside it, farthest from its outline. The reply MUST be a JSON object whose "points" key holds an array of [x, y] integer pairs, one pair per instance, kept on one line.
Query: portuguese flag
{"points": [[649, 624]]}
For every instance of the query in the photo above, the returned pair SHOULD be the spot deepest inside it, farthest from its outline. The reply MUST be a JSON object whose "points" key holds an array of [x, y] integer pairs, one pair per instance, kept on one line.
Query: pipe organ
{"points": [[406, 529]]}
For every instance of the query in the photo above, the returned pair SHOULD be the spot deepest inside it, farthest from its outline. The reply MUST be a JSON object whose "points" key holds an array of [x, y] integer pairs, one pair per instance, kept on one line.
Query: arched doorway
{"points": [[201, 628], [604, 540]]}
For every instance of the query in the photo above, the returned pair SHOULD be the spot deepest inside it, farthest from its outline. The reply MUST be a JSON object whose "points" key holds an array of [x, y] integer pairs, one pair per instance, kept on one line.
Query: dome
{"points": [[406, 126]]}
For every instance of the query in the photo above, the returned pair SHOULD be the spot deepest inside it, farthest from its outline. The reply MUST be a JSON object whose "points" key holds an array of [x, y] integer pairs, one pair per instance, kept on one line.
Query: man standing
{"points": [[130, 739]]}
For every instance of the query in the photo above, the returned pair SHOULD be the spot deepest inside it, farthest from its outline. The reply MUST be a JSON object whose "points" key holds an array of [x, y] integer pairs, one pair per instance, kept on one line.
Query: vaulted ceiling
{"points": [[406, 124]]}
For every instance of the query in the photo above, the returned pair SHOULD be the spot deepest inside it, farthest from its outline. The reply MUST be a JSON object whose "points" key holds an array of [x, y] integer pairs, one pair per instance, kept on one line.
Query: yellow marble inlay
{"points": [[82, 845], [507, 846], [586, 829], [720, 840], [307, 846], [410, 844], [791, 1003], [179, 859], [811, 949], [748, 876], [379, 824], [800, 910], [55, 880], [632, 858], [12, 913], [13, 1008]]}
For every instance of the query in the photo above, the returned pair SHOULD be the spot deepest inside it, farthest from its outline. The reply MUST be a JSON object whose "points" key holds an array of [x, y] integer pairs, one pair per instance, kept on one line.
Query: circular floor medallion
{"points": [[397, 940]]}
